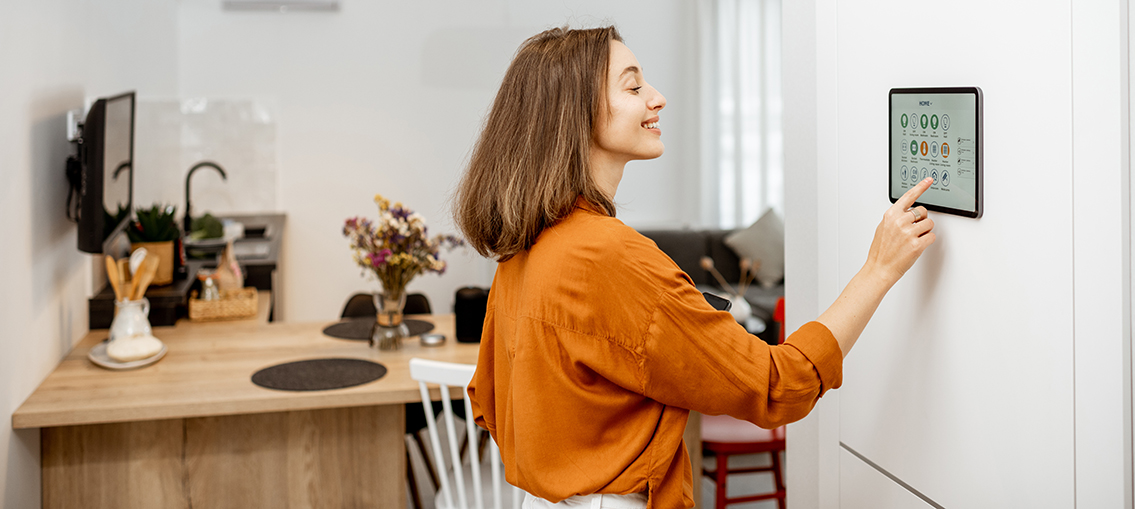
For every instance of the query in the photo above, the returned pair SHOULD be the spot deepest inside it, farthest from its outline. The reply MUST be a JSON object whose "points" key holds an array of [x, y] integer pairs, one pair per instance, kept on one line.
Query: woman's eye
{"points": [[635, 89]]}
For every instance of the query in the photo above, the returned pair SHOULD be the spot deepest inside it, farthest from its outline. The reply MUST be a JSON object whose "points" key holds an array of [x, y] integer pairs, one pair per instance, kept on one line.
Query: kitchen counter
{"points": [[192, 430], [207, 372]]}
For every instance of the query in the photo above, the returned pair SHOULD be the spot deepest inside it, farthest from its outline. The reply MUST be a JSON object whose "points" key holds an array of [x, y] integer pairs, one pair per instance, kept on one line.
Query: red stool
{"points": [[778, 317], [724, 436]]}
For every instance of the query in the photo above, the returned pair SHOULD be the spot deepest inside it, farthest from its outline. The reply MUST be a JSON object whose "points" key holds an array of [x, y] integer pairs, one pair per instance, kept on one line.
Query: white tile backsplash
{"points": [[239, 135]]}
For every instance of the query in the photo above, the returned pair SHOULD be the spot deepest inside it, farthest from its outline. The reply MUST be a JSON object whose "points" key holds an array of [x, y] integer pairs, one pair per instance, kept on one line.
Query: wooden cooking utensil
{"points": [[145, 275], [136, 259], [112, 275], [128, 287], [124, 278]]}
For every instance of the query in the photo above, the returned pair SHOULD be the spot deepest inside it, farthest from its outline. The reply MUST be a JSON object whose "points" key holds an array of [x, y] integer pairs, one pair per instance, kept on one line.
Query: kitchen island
{"points": [[193, 431]]}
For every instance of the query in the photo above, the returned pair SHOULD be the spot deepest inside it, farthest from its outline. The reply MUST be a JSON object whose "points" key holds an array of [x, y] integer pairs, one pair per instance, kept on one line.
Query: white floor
{"points": [[739, 484]]}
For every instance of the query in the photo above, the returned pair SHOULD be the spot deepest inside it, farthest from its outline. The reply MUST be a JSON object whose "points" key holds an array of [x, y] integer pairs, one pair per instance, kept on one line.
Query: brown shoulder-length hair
{"points": [[531, 161]]}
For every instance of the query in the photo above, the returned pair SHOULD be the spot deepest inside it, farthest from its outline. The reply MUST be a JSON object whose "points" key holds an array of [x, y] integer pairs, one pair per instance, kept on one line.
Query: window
{"points": [[742, 141]]}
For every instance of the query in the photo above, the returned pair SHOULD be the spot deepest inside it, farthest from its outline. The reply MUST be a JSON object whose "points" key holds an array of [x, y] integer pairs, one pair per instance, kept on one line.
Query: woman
{"points": [[596, 345]]}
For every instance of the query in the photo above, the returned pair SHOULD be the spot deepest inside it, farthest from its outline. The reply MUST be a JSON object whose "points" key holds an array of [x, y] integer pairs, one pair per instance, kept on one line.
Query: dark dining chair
{"points": [[362, 304]]}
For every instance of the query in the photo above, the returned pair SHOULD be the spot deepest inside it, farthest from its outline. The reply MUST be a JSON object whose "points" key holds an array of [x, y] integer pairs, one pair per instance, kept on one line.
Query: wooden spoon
{"points": [[136, 259], [112, 275], [146, 274], [124, 278]]}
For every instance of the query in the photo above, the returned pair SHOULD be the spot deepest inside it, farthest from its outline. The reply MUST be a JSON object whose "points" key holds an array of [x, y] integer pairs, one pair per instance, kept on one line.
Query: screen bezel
{"points": [[124, 223], [978, 150], [91, 238]]}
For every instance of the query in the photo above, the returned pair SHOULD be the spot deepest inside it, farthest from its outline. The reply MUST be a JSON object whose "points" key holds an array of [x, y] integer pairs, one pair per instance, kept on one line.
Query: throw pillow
{"points": [[762, 241]]}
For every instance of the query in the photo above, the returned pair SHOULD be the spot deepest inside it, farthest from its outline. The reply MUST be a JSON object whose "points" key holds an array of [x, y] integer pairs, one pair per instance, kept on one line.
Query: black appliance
{"points": [[469, 311]]}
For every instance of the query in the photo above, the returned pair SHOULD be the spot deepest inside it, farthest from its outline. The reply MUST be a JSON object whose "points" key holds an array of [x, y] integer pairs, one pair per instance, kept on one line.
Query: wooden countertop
{"points": [[208, 371]]}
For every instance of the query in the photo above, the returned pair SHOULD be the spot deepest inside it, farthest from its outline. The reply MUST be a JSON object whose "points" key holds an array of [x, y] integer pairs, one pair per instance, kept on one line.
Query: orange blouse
{"points": [[595, 348]]}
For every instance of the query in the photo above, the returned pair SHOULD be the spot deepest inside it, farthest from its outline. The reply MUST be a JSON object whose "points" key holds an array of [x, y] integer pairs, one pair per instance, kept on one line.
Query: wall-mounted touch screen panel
{"points": [[936, 133]]}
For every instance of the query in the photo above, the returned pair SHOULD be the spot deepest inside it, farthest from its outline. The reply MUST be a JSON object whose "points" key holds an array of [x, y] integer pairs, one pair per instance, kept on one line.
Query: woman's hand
{"points": [[901, 237]]}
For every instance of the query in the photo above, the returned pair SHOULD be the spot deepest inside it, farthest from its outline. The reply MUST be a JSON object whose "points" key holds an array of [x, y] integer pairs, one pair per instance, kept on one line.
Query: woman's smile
{"points": [[652, 126]]}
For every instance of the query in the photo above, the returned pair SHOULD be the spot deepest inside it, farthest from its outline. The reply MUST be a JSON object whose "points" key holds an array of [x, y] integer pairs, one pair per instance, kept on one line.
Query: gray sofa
{"points": [[687, 246]]}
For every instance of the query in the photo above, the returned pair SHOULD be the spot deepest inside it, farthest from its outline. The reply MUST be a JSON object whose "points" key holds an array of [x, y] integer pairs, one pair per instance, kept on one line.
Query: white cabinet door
{"points": [[862, 486], [962, 384]]}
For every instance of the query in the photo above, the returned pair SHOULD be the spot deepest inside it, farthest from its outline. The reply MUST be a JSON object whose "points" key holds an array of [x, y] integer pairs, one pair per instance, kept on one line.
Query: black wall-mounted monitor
{"points": [[937, 133], [107, 156]]}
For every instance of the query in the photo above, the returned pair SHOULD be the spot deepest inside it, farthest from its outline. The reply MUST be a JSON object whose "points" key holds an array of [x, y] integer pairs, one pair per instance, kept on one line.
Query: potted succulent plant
{"points": [[156, 230]]}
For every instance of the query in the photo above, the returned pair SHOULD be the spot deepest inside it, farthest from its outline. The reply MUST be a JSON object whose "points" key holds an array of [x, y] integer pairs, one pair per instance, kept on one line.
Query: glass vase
{"points": [[389, 330]]}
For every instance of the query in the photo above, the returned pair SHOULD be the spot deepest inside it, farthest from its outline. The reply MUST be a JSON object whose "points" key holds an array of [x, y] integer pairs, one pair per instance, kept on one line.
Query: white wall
{"points": [[382, 97], [993, 374], [54, 56], [388, 97]]}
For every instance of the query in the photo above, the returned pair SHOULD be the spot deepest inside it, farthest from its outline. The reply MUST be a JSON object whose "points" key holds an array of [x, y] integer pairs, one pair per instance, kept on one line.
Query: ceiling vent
{"points": [[282, 5]]}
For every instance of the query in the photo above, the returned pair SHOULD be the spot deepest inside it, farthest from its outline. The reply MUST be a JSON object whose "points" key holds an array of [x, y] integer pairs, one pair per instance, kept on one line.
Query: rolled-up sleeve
{"points": [[699, 358]]}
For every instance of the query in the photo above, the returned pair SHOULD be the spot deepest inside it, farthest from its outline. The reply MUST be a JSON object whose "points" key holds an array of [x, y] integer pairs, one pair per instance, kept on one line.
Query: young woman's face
{"points": [[627, 129]]}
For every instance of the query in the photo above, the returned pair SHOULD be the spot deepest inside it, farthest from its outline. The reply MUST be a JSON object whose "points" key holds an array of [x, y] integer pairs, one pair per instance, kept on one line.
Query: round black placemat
{"points": [[359, 328], [319, 374]]}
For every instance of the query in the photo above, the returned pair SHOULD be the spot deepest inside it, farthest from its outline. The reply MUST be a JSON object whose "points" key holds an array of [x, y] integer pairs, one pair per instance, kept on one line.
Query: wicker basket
{"points": [[233, 305]]}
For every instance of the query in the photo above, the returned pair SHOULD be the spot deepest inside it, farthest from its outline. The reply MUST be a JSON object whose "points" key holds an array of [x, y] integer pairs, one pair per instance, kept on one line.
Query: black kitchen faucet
{"points": [[188, 208]]}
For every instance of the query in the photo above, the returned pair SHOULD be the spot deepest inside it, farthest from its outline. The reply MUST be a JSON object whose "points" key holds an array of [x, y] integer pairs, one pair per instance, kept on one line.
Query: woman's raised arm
{"points": [[901, 237]]}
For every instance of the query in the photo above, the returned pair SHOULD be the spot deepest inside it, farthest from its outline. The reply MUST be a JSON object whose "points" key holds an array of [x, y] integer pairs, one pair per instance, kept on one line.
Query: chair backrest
{"points": [[417, 304], [447, 375], [359, 305], [362, 304]]}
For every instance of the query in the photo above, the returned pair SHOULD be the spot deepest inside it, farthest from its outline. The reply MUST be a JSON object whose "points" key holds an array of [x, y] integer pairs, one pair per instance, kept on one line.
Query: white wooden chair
{"points": [[448, 374]]}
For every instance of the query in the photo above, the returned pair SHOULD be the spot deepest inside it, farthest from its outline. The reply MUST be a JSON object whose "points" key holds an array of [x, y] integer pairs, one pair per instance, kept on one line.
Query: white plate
{"points": [[98, 356]]}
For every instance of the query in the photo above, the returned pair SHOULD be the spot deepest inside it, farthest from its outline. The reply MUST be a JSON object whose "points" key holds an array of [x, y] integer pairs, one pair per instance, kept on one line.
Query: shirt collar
{"points": [[582, 203]]}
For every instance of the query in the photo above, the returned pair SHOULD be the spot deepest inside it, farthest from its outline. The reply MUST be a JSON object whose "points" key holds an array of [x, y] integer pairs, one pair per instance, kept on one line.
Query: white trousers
{"points": [[596, 501]]}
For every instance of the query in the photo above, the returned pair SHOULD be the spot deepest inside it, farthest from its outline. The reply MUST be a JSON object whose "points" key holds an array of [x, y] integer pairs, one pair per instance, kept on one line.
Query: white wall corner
{"points": [[809, 92], [1101, 260]]}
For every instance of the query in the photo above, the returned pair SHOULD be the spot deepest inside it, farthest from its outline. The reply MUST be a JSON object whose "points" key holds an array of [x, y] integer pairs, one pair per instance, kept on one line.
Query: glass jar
{"points": [[209, 289]]}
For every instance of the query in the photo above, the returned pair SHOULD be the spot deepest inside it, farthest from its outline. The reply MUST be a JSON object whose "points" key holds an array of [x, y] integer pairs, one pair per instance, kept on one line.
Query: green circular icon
{"points": [[904, 120], [934, 122], [913, 147], [924, 121]]}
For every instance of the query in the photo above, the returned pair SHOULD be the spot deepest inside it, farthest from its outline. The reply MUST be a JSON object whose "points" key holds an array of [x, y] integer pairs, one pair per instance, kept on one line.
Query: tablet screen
{"points": [[936, 133]]}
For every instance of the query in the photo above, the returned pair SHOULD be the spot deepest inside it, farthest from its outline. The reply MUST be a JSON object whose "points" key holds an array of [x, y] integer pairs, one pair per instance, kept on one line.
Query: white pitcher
{"points": [[131, 318]]}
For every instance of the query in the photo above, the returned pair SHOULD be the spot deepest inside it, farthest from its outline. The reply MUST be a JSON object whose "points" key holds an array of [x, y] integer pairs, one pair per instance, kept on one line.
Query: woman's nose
{"points": [[658, 101]]}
